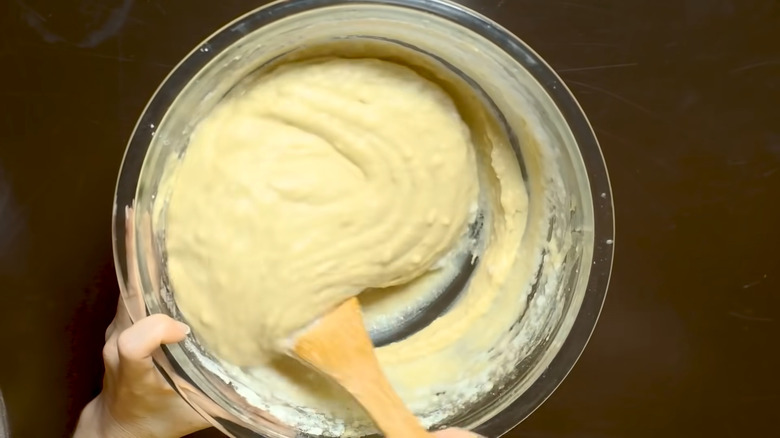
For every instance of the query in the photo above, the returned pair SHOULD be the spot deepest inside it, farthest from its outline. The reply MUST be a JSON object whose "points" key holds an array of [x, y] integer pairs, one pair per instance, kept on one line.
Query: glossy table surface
{"points": [[683, 95]]}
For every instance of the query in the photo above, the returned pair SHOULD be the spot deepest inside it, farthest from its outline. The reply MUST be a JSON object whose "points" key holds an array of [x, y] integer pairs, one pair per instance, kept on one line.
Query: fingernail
{"points": [[184, 327], [127, 212]]}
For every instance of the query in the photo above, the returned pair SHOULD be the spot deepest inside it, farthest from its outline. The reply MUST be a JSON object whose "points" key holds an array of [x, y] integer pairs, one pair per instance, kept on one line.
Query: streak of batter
{"points": [[323, 179]]}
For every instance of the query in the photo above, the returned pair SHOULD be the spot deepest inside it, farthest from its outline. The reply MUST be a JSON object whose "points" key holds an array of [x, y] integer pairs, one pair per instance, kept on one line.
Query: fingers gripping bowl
{"points": [[527, 337]]}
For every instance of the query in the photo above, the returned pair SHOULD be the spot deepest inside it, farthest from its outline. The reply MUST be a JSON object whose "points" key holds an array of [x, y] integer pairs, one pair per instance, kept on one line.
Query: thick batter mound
{"points": [[323, 179], [319, 178]]}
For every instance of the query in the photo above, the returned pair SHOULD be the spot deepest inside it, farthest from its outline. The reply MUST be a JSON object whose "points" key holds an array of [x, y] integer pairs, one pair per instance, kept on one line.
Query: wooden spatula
{"points": [[339, 346]]}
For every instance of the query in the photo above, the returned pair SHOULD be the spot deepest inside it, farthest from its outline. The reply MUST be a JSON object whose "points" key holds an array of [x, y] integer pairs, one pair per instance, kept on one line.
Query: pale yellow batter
{"points": [[323, 179]]}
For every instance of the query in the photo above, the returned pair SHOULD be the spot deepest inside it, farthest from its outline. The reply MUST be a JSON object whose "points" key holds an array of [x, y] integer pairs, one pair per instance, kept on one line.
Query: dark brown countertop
{"points": [[683, 95]]}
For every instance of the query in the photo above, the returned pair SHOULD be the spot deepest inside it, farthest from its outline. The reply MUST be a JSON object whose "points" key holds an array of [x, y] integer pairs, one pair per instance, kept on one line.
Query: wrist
{"points": [[96, 421]]}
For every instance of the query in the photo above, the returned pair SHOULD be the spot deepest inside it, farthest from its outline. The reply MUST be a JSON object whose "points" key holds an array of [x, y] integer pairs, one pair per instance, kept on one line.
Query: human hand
{"points": [[136, 401]]}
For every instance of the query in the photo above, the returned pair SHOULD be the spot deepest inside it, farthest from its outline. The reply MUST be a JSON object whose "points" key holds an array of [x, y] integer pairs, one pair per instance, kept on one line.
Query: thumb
{"points": [[136, 344], [455, 433]]}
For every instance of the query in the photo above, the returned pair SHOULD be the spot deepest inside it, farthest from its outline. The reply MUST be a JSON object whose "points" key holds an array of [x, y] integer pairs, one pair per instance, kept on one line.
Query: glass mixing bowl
{"points": [[536, 111]]}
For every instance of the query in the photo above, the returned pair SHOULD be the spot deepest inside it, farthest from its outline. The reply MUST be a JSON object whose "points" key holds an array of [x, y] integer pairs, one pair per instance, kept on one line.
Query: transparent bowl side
{"points": [[536, 109]]}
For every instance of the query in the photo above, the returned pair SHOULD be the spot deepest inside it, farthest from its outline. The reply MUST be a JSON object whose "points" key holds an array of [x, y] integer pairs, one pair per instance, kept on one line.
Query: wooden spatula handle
{"points": [[352, 363]]}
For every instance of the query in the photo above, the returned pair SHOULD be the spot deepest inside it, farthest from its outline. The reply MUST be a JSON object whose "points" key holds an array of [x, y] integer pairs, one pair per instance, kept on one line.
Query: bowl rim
{"points": [[598, 179]]}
